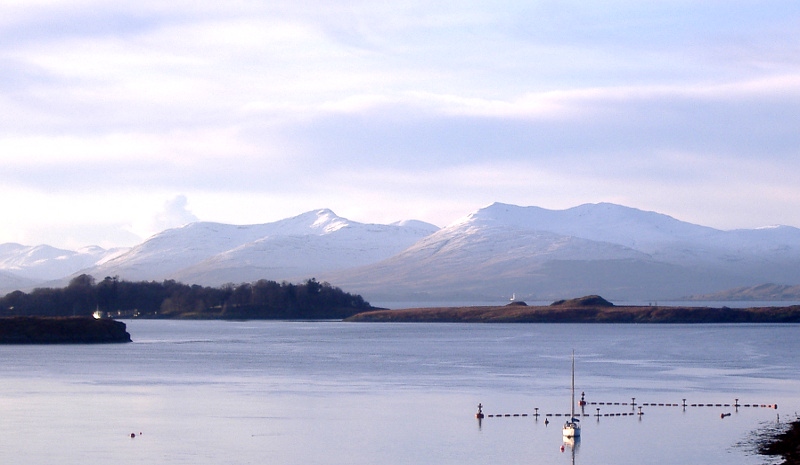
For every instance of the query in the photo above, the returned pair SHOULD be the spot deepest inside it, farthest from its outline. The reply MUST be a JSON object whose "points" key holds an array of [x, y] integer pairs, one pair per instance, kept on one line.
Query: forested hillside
{"points": [[116, 298]]}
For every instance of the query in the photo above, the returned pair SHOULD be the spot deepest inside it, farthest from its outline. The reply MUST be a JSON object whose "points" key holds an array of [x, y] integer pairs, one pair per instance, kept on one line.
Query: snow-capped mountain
{"points": [[43, 262], [615, 251], [294, 248], [23, 267], [618, 252]]}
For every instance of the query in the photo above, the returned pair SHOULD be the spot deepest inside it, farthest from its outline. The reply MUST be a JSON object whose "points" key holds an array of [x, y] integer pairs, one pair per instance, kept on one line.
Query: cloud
{"points": [[449, 107], [174, 215]]}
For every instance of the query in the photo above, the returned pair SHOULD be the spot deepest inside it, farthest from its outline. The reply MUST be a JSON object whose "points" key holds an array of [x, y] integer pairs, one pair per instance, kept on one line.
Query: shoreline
{"points": [[785, 445], [589, 309], [61, 330]]}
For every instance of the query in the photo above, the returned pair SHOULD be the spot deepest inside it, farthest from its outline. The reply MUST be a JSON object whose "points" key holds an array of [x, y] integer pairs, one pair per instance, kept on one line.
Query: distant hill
{"points": [[10, 282], [587, 301], [762, 292]]}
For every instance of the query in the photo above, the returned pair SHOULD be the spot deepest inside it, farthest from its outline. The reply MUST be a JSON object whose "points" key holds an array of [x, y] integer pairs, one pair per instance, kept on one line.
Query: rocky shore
{"points": [[785, 444], [58, 330]]}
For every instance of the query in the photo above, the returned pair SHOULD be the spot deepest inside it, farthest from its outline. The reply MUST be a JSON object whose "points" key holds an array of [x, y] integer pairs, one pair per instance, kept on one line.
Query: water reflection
{"points": [[571, 445]]}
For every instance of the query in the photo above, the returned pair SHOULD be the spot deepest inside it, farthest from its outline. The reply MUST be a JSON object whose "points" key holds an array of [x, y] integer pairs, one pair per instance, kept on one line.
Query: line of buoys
{"points": [[684, 404], [546, 415], [633, 403]]}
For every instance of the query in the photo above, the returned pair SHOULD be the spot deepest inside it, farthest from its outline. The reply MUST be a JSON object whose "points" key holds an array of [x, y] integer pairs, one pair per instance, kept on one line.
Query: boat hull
{"points": [[571, 430]]}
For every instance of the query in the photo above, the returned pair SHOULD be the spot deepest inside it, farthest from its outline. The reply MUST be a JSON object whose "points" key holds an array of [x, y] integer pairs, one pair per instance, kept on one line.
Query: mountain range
{"points": [[29, 265], [618, 252]]}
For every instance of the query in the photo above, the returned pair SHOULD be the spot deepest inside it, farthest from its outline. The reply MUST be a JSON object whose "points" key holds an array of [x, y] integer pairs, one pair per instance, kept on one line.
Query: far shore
{"points": [[589, 309]]}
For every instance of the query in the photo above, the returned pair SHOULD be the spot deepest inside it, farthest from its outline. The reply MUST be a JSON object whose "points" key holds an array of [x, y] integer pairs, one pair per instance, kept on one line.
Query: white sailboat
{"points": [[572, 428]]}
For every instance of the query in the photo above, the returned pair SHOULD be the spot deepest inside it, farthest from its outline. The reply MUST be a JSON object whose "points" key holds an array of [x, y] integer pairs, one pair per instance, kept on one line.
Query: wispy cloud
{"points": [[258, 110]]}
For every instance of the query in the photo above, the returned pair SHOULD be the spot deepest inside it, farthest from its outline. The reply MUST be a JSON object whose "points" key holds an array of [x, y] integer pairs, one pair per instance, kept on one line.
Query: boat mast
{"points": [[572, 407]]}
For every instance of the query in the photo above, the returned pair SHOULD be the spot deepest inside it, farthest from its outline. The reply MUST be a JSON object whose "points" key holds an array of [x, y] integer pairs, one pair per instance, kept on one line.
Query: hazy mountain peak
{"points": [[416, 224], [44, 262], [10, 247]]}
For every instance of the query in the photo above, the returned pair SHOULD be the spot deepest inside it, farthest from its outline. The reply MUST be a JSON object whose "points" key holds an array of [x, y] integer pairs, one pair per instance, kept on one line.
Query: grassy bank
{"points": [[590, 309]]}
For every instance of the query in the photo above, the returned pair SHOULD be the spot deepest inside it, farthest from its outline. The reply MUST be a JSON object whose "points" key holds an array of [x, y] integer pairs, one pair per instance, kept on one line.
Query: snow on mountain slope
{"points": [[605, 249], [303, 256], [43, 262], [479, 259], [605, 222], [174, 249], [213, 253], [661, 236], [769, 240]]}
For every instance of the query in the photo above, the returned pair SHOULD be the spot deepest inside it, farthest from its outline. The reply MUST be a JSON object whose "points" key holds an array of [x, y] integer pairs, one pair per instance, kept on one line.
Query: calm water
{"points": [[348, 393]]}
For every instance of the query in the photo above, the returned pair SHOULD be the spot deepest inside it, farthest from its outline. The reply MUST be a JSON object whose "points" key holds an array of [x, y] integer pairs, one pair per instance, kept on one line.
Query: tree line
{"points": [[117, 298]]}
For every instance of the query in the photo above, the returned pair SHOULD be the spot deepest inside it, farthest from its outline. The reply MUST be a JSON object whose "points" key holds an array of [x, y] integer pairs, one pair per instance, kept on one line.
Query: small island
{"points": [[589, 309], [61, 330]]}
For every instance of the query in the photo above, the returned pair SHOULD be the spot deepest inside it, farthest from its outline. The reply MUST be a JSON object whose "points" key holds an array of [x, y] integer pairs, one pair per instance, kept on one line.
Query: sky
{"points": [[119, 119]]}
